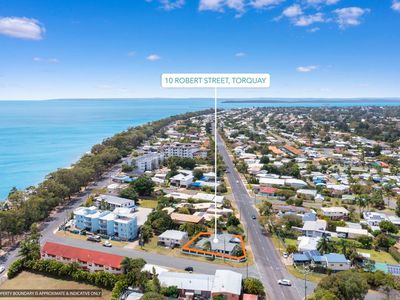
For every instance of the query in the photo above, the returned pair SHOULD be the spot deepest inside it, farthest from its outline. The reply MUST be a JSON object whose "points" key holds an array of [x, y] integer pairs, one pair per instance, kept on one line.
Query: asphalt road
{"points": [[268, 261]]}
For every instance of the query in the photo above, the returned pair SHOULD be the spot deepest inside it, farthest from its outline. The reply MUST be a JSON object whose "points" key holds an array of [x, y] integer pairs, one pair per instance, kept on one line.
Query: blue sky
{"points": [[103, 48]]}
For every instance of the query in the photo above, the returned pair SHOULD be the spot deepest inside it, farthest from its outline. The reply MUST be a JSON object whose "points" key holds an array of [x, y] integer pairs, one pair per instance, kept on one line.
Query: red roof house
{"points": [[88, 259]]}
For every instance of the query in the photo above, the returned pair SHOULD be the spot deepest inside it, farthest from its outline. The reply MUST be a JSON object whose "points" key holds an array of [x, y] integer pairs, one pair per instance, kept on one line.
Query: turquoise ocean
{"points": [[37, 137]]}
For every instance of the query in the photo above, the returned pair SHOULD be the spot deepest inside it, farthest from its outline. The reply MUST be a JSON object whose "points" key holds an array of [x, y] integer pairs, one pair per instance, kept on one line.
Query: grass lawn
{"points": [[379, 256], [291, 242], [27, 280], [313, 277], [148, 203], [153, 247]]}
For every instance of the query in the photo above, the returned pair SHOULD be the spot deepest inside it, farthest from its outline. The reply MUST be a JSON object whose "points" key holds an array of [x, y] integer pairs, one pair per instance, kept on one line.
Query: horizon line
{"points": [[397, 98]]}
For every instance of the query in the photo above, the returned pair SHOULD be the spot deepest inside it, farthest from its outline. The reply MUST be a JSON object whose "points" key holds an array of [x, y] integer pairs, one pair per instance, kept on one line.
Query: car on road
{"points": [[253, 217], [237, 181], [286, 282], [94, 238], [285, 255], [189, 269], [2, 269], [107, 244]]}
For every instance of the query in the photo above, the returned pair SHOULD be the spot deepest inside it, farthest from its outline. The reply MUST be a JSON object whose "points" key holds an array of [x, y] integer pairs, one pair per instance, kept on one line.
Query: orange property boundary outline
{"points": [[186, 248]]}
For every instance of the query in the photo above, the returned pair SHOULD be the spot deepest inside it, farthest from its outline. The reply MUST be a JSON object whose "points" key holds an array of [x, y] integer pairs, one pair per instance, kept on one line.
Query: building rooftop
{"points": [[84, 255], [198, 282], [226, 281], [173, 234]]}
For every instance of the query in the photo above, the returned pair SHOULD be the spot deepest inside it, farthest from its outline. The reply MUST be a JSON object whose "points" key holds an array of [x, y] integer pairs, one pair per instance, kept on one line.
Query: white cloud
{"points": [[350, 16], [315, 29], [22, 28], [396, 5], [309, 19], [172, 4], [236, 4], [153, 57], [292, 11], [260, 4], [215, 5], [240, 54], [46, 60], [322, 2], [306, 69]]}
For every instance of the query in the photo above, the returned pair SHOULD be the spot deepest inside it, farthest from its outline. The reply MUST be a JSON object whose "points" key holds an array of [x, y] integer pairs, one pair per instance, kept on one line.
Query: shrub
{"points": [[15, 268]]}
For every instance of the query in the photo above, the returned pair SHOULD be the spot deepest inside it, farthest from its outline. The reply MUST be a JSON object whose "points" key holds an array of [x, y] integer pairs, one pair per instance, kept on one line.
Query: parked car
{"points": [[94, 238], [2, 268], [107, 244], [189, 269], [286, 282], [285, 254]]}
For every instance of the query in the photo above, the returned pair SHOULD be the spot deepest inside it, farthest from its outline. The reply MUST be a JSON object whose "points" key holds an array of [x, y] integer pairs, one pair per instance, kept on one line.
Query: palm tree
{"points": [[343, 246], [325, 245]]}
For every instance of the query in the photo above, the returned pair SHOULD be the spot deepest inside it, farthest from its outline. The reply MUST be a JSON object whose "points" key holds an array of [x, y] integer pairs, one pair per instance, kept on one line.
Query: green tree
{"points": [[144, 186], [254, 286], [265, 208], [129, 264], [325, 245], [387, 226], [365, 241], [30, 247], [346, 285], [232, 221], [129, 193], [171, 291], [197, 174]]}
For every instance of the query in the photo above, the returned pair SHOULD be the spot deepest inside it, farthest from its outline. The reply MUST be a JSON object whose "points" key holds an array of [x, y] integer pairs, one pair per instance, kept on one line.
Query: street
{"points": [[268, 261]]}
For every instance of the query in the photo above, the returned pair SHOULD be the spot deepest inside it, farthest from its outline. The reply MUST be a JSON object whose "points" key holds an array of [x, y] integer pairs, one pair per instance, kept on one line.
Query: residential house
{"points": [[173, 238], [335, 213], [181, 180], [113, 202], [314, 228], [227, 284]]}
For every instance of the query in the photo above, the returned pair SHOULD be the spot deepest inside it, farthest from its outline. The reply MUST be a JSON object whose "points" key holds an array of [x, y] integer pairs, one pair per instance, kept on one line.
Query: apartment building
{"points": [[120, 223], [149, 161], [181, 149]]}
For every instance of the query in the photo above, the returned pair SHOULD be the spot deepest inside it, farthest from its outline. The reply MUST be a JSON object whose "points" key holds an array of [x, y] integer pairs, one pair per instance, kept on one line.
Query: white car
{"points": [[285, 255], [2, 268], [286, 282], [107, 244]]}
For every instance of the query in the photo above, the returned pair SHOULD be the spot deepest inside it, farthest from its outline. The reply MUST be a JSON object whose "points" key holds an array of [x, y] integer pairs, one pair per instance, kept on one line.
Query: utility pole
{"points": [[306, 271]]}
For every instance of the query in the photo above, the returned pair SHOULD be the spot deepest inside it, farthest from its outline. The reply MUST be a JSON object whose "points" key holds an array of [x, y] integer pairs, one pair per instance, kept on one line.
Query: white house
{"points": [[314, 228], [181, 180], [336, 262], [114, 202], [173, 238], [335, 213]]}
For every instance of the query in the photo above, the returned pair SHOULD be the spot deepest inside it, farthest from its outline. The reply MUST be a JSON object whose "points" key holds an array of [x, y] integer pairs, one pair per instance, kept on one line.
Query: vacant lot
{"points": [[27, 280]]}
